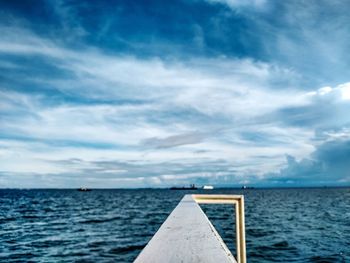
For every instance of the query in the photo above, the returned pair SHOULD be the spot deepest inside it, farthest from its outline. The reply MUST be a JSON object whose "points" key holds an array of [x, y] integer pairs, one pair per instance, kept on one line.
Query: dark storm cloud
{"points": [[329, 164]]}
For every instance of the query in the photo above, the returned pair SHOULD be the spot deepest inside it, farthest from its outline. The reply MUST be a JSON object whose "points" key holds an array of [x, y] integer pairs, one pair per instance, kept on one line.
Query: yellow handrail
{"points": [[238, 202]]}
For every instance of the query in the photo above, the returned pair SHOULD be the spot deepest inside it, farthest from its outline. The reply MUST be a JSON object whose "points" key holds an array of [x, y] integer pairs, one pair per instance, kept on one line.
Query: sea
{"points": [[113, 225]]}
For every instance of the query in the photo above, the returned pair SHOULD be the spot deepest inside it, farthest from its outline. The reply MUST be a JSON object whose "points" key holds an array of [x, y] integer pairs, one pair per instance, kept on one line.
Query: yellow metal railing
{"points": [[238, 202]]}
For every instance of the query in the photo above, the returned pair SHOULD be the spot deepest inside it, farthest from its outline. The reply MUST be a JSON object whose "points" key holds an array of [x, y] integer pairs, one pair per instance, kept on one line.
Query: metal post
{"points": [[238, 202]]}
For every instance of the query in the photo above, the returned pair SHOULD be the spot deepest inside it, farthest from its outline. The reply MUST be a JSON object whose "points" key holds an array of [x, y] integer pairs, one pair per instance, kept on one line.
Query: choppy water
{"points": [[283, 225]]}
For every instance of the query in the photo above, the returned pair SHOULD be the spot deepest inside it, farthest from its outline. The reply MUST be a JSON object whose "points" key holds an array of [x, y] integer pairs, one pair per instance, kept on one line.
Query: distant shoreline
{"points": [[168, 188]]}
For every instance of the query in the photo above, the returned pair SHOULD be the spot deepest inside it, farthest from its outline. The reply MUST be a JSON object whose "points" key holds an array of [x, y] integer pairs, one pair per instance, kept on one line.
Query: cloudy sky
{"points": [[163, 93]]}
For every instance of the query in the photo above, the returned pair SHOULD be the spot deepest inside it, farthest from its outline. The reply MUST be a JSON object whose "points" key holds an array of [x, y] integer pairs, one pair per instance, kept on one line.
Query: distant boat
{"points": [[208, 187], [247, 187], [192, 187], [83, 189]]}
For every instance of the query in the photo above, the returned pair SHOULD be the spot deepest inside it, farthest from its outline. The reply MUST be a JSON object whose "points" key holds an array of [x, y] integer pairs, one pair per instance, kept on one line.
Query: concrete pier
{"points": [[186, 236]]}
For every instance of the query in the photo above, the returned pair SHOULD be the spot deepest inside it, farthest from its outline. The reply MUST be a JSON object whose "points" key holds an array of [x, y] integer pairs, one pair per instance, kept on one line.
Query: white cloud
{"points": [[345, 91], [340, 92]]}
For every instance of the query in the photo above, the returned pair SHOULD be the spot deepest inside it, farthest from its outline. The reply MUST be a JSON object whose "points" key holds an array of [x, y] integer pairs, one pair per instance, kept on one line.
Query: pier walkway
{"points": [[187, 236]]}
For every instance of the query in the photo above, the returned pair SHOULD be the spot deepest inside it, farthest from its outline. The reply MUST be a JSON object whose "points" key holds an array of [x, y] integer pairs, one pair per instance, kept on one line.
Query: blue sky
{"points": [[163, 93]]}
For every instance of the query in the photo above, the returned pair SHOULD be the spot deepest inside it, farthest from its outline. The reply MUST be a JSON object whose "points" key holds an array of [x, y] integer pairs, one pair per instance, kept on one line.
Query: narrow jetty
{"points": [[188, 236]]}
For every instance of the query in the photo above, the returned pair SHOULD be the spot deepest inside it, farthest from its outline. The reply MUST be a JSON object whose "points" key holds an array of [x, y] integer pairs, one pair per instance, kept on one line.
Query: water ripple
{"points": [[282, 225]]}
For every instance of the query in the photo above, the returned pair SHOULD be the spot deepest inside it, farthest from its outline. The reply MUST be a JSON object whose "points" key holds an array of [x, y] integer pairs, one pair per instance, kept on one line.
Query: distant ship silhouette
{"points": [[247, 187], [83, 189], [192, 187]]}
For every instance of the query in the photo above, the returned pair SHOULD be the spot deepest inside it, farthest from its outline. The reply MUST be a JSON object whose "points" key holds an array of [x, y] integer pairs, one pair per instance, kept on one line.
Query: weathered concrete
{"points": [[186, 236]]}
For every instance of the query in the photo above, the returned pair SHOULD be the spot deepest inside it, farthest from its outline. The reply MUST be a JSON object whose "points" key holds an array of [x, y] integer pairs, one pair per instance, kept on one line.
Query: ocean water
{"points": [[282, 225]]}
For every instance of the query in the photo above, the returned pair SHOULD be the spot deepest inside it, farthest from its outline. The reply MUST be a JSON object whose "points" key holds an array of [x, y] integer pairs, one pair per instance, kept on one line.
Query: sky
{"points": [[130, 94]]}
